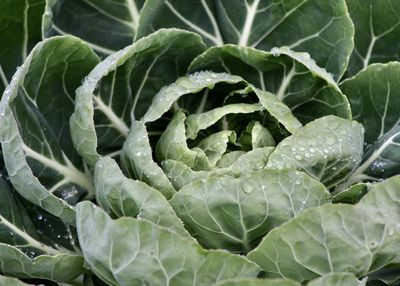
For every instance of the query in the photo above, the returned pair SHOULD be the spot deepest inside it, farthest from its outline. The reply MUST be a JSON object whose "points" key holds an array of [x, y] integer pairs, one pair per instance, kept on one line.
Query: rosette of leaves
{"points": [[214, 139], [208, 156]]}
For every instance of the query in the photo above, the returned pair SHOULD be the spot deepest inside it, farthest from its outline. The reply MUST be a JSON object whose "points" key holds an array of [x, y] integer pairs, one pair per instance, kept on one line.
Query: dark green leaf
{"points": [[327, 35], [352, 194], [34, 112], [20, 22], [374, 97], [377, 28], [91, 20], [23, 253]]}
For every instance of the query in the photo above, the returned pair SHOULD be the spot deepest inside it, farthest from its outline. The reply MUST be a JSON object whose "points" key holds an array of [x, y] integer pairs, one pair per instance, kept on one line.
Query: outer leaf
{"points": [[234, 213], [165, 258], [181, 175], [327, 35], [137, 160], [328, 148], [22, 252], [20, 30], [38, 153], [359, 238], [123, 86], [338, 279], [374, 96], [16, 228], [91, 20], [258, 282], [120, 196], [293, 77], [376, 29]]}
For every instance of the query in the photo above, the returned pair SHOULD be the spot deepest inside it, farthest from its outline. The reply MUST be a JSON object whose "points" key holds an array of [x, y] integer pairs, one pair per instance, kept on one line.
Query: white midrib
{"points": [[139, 90], [251, 14], [202, 104], [372, 42], [70, 173], [93, 46], [3, 77], [134, 12], [315, 35], [30, 240], [287, 14], [383, 118], [216, 39], [369, 51], [118, 124], [285, 83], [262, 83], [25, 36], [104, 12]]}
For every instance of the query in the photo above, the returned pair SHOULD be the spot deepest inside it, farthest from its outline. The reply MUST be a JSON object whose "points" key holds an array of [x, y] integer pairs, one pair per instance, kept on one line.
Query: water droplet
{"points": [[298, 157], [306, 56], [275, 52], [302, 149], [39, 217], [69, 193], [297, 182], [391, 231]]}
